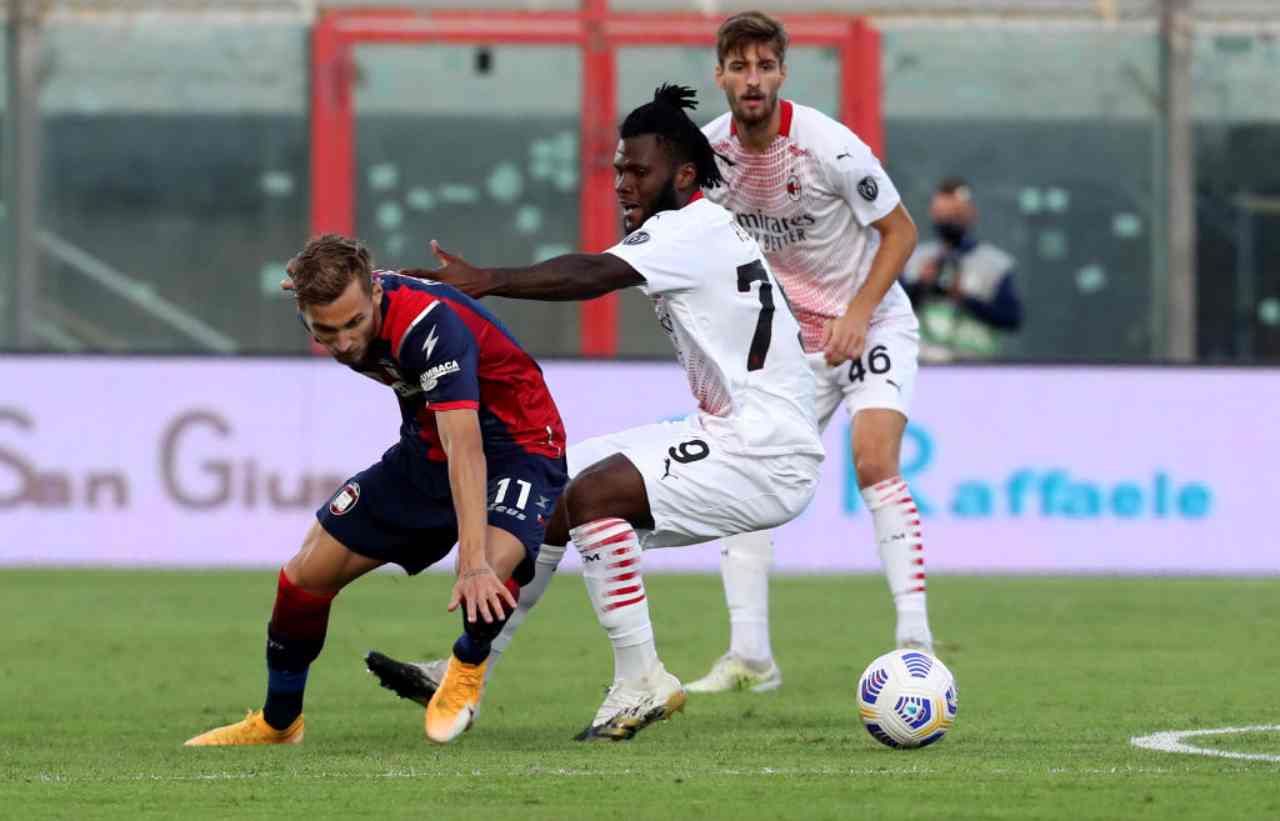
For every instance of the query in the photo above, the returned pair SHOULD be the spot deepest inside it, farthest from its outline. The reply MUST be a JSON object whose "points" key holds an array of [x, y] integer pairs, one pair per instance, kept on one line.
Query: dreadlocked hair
{"points": [[665, 118]]}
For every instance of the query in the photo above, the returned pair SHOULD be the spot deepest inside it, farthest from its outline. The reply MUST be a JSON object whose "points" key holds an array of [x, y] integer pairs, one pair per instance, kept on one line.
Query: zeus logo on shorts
{"points": [[432, 376], [345, 499]]}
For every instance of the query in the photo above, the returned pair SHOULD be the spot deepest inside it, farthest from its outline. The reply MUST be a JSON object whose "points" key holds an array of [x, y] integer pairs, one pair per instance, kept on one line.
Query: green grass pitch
{"points": [[104, 674]]}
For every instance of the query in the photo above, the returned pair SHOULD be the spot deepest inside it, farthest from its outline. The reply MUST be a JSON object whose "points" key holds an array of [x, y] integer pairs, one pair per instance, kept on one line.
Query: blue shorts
{"points": [[401, 509]]}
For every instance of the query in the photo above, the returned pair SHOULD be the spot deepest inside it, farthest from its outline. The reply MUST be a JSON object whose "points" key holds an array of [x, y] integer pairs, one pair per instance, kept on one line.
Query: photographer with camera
{"points": [[962, 289]]}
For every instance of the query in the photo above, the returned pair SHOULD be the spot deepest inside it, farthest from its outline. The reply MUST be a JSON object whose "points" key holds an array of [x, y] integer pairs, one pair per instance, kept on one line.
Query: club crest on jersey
{"points": [[432, 376], [636, 238], [793, 188], [868, 189], [345, 499]]}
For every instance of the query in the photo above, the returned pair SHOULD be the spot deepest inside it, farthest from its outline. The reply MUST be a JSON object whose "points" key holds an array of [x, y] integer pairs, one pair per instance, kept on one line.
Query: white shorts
{"points": [[885, 376], [697, 490]]}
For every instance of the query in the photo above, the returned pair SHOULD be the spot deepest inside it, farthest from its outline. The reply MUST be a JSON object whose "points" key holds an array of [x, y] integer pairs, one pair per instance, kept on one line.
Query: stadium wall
{"points": [[199, 462]]}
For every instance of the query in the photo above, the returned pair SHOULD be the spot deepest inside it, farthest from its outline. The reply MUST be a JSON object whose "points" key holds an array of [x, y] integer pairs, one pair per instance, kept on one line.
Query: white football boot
{"points": [[913, 633], [731, 673], [630, 706]]}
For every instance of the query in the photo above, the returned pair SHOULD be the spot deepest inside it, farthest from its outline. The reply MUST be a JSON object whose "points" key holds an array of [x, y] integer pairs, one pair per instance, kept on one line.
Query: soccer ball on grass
{"points": [[907, 698]]}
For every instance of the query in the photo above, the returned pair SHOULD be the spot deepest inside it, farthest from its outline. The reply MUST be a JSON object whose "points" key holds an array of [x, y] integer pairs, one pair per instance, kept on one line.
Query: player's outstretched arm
{"points": [[568, 277], [478, 587], [563, 278]]}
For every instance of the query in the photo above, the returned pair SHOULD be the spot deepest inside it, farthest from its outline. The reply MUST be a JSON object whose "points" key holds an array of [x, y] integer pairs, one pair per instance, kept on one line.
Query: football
{"points": [[907, 698]]}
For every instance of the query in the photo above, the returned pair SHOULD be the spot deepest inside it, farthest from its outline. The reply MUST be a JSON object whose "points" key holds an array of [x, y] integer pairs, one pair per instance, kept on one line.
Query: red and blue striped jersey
{"points": [[439, 349]]}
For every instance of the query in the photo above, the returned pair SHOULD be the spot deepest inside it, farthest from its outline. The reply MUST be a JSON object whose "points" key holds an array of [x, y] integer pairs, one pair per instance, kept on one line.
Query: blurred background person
{"points": [[963, 289]]}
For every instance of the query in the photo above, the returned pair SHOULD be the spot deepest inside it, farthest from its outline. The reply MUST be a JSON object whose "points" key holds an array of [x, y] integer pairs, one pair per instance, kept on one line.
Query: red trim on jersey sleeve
{"points": [[406, 306], [784, 128], [459, 404]]}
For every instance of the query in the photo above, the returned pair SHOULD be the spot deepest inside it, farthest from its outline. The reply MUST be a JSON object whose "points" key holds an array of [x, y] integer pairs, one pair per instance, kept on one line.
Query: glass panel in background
{"points": [[6, 280], [478, 148], [174, 182], [813, 79], [453, 5], [1056, 129], [1236, 101], [782, 8]]}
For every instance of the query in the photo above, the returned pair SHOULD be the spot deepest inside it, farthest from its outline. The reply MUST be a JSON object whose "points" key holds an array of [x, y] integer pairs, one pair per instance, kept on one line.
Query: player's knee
{"points": [[299, 569], [304, 578], [874, 466], [323, 565], [583, 503], [612, 487], [295, 569]]}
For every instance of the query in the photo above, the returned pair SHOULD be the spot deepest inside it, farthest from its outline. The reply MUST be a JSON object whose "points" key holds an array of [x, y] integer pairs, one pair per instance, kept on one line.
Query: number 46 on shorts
{"points": [[877, 360]]}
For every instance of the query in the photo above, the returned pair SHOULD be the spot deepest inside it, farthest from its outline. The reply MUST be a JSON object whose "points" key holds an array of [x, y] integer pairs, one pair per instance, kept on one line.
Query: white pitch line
{"points": [[415, 773], [569, 772], [1172, 742]]}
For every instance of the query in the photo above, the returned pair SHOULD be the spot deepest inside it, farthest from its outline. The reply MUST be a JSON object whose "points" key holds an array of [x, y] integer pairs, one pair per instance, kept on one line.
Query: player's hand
{"points": [[845, 338], [455, 271], [483, 594]]}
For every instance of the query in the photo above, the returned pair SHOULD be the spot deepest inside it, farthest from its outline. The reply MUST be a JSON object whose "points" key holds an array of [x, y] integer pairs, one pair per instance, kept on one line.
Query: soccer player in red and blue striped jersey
{"points": [[480, 462]]}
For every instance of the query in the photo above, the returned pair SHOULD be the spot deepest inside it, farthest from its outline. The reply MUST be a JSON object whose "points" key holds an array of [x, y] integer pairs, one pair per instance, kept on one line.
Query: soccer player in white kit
{"points": [[836, 235], [748, 459]]}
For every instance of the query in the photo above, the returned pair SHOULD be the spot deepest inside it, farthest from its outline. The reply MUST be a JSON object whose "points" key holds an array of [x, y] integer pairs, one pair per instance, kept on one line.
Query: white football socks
{"points": [[610, 553], [898, 533], [544, 568], [745, 561]]}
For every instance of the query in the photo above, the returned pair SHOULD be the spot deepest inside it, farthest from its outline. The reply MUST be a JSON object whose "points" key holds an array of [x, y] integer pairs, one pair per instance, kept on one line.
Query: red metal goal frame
{"points": [[598, 33]]}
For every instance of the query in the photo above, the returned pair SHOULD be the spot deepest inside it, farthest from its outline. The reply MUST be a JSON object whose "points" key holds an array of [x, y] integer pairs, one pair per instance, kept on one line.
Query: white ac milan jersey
{"points": [[810, 200], [720, 305]]}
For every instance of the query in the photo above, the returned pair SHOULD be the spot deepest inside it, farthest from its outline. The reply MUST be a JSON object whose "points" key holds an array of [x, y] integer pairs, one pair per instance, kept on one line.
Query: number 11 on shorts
{"points": [[521, 500]]}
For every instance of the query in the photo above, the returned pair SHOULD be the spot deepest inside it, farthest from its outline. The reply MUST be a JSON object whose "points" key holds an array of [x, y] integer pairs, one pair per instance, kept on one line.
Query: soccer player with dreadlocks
{"points": [[747, 460]]}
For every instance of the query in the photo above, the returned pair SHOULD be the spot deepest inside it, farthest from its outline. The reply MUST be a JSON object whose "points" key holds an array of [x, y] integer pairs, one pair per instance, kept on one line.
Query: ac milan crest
{"points": [[793, 188]]}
